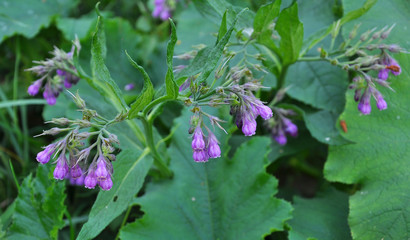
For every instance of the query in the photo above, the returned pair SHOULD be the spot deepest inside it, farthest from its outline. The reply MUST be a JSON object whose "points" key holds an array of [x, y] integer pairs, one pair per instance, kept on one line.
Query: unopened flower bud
{"points": [[381, 103], [200, 155], [386, 33], [290, 127], [364, 104], [353, 33], [53, 131], [34, 88], [79, 101], [44, 156], [61, 170], [248, 125], [280, 137]]}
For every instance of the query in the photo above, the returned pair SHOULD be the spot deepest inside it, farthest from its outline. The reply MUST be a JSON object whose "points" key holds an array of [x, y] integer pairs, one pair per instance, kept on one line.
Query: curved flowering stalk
{"points": [[55, 74], [72, 157], [372, 69], [163, 9]]}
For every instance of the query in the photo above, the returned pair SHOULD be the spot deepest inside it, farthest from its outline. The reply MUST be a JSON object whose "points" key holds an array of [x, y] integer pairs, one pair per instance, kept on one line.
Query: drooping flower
{"points": [[380, 102], [290, 127], [248, 124], [214, 151], [101, 172], [364, 104], [198, 142], [281, 125], [90, 180], [105, 184], [76, 172], [200, 155], [34, 88], [44, 156], [392, 66], [280, 137], [77, 181], [61, 170]]}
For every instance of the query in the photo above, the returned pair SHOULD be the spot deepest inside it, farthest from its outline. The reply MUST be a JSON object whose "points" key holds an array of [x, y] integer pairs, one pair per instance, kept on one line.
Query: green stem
{"points": [[281, 80], [72, 230], [154, 103], [124, 220], [158, 161]]}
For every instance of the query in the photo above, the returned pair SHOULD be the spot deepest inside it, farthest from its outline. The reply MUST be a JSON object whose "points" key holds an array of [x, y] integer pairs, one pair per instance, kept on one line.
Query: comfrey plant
{"points": [[290, 100], [233, 85]]}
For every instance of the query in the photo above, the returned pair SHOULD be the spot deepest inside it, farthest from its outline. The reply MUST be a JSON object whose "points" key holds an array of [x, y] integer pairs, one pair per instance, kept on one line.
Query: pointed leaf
{"points": [[223, 28], [146, 94], [171, 86], [131, 167]]}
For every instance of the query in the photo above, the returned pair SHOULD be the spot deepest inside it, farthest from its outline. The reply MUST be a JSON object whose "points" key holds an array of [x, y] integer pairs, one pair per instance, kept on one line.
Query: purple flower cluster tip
{"points": [[161, 10]]}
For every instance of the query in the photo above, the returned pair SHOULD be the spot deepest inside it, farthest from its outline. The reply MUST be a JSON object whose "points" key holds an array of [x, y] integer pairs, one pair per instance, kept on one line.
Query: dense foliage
{"points": [[204, 119]]}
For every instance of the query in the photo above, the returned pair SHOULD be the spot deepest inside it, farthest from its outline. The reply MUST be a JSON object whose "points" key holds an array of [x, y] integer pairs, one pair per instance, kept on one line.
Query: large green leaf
{"points": [[39, 207], [323, 217], [290, 30], [378, 162], [318, 84], [27, 17], [381, 14], [131, 168], [222, 199]]}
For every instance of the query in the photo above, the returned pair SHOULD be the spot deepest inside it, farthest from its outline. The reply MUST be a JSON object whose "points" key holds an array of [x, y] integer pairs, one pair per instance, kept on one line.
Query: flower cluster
{"points": [[382, 64], [281, 125], [203, 147], [55, 74], [163, 9], [236, 92], [246, 107], [72, 158]]}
